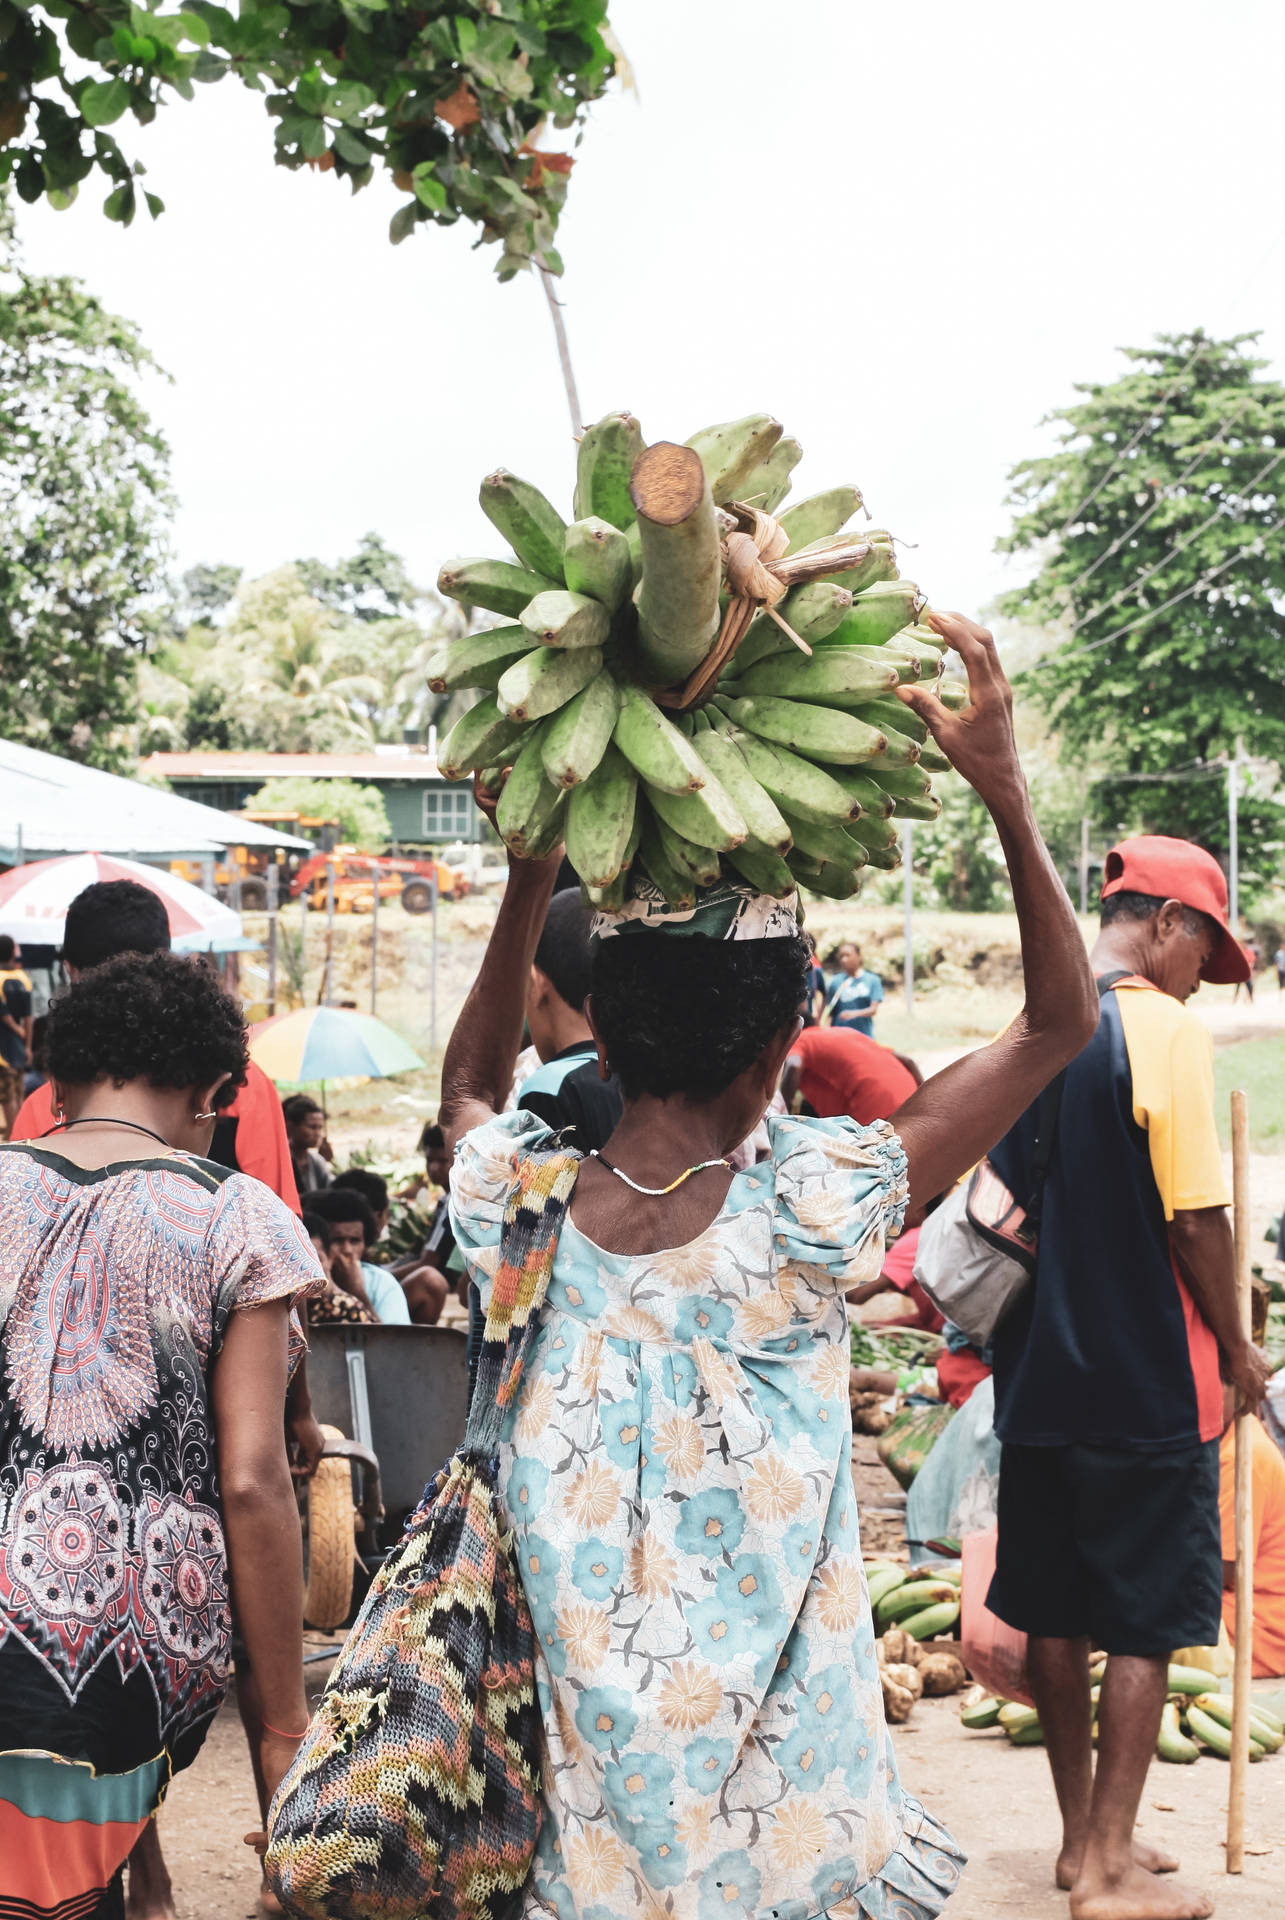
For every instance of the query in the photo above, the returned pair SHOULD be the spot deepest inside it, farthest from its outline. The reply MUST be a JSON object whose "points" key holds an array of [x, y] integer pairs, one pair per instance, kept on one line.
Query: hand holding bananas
{"points": [[694, 680]]}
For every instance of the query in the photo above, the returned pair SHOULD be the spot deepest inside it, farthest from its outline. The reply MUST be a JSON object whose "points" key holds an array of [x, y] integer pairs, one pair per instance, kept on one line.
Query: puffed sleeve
{"points": [[840, 1195], [259, 1251], [486, 1162]]}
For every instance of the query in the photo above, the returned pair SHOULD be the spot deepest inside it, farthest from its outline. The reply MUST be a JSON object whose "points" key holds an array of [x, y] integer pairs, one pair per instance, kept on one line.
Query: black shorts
{"points": [[1122, 1546]]}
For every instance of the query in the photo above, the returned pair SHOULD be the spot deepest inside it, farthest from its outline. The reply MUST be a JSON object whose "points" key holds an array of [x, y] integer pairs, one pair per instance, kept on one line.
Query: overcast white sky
{"points": [[905, 230]]}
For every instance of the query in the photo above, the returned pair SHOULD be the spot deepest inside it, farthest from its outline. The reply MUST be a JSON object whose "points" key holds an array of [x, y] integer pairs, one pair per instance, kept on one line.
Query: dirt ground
{"points": [[994, 1797]]}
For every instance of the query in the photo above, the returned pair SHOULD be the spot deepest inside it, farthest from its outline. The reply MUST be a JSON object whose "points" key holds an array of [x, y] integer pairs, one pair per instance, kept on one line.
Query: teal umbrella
{"points": [[328, 1043]]}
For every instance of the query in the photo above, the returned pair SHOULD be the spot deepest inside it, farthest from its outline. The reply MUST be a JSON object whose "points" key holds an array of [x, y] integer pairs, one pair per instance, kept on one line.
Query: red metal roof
{"points": [[397, 764]]}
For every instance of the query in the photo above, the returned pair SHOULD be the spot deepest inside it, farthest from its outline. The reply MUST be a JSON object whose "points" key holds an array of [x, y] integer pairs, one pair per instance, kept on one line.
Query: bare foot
{"points": [[1150, 1859], [268, 1902], [1137, 1895]]}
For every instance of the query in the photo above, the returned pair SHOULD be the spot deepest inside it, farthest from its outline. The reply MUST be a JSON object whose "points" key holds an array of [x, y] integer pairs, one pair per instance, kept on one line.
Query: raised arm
{"points": [[477, 1070], [958, 1115]]}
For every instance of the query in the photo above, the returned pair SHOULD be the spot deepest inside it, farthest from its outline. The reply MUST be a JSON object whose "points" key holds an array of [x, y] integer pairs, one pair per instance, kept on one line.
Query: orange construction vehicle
{"points": [[357, 874]]}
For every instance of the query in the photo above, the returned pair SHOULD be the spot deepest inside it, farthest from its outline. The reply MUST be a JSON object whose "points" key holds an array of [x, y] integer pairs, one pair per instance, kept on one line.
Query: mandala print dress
{"points": [[678, 1474], [115, 1289]]}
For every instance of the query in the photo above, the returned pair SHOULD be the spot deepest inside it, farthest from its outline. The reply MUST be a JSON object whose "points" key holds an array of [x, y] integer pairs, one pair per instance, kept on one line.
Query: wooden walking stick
{"points": [[1244, 1505]]}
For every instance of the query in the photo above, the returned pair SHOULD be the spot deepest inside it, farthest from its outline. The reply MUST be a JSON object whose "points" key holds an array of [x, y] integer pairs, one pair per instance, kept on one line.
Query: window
{"points": [[448, 813]]}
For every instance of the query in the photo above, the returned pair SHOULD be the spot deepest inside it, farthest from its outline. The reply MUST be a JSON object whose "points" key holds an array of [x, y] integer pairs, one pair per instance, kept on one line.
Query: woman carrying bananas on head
{"points": [[676, 1466]]}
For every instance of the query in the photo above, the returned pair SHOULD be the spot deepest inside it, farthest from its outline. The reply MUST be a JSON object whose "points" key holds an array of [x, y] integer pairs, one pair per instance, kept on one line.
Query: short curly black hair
{"points": [[159, 1017], [687, 1015]]}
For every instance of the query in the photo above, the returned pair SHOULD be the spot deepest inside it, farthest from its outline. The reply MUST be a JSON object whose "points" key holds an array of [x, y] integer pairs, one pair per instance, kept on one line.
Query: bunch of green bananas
{"points": [[788, 769]]}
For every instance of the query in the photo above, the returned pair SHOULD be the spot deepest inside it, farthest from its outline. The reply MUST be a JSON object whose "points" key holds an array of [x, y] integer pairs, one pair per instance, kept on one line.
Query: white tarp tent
{"points": [[51, 806]]}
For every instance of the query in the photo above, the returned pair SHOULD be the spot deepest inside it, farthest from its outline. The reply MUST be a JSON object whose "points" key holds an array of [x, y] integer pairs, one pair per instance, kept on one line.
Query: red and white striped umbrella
{"points": [[34, 900]]}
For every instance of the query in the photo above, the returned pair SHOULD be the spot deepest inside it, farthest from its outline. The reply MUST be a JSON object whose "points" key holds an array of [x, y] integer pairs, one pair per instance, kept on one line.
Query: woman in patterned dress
{"points": [[145, 1298], [677, 1465]]}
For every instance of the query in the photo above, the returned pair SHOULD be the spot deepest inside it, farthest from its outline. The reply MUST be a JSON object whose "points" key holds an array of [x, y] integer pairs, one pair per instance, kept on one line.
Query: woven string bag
{"points": [[415, 1794]]}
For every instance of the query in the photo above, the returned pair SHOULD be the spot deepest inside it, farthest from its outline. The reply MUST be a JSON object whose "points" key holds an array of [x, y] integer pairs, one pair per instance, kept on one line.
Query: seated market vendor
{"points": [[676, 1464]]}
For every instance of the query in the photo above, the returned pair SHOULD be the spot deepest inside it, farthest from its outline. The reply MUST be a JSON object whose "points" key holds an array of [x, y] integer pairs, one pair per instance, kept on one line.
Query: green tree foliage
{"points": [[448, 98], [84, 504], [372, 585], [1159, 528], [360, 811]]}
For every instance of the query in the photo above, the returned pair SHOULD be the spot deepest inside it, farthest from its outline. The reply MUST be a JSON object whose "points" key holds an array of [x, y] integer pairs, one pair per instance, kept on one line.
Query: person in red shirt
{"points": [[837, 1071], [120, 916]]}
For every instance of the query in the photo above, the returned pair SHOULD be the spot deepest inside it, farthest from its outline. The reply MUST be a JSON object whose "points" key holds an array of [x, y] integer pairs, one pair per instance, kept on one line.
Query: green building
{"points": [[423, 809]]}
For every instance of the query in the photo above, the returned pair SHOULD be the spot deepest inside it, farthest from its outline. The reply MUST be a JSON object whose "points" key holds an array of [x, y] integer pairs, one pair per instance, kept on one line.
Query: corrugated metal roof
{"points": [[393, 763], [49, 805]]}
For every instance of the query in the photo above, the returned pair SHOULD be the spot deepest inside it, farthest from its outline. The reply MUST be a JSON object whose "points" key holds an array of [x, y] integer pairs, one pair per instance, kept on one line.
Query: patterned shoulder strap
{"points": [[533, 1216]]}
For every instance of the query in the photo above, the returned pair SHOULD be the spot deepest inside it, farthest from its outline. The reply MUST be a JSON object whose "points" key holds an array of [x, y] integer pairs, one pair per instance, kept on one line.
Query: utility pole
{"points": [[374, 936], [908, 908], [564, 353], [1084, 864], [274, 901], [1233, 840]]}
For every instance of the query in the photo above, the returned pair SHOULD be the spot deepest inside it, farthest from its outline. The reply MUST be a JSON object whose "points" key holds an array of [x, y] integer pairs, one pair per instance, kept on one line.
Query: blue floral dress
{"points": [[677, 1472]]}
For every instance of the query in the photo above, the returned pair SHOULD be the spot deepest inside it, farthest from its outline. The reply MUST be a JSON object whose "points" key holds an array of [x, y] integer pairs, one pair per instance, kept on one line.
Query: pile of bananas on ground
{"points": [[696, 679]]}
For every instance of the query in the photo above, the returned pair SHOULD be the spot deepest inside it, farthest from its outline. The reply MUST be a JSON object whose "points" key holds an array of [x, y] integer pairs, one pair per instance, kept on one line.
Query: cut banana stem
{"points": [[678, 596]]}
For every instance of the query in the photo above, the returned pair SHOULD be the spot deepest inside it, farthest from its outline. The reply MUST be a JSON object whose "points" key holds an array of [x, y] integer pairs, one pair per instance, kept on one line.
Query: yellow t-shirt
{"points": [[1269, 1543], [1171, 1056]]}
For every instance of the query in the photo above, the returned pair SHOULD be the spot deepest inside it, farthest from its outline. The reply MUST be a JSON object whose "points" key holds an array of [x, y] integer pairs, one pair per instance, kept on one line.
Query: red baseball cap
{"points": [[1177, 870]]}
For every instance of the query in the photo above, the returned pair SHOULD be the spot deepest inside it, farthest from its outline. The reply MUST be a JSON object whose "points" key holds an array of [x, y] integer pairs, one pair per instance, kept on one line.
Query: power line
{"points": [[1205, 450], [1179, 546], [1195, 587]]}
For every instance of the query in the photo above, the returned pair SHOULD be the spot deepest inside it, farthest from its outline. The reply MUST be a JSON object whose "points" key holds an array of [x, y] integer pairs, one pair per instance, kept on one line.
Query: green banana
{"points": [[700, 862], [478, 738], [818, 516], [887, 859], [497, 585], [1014, 1717], [604, 461], [866, 791], [876, 565], [896, 714], [928, 656], [905, 670], [931, 1621], [707, 818], [873, 834], [932, 759], [827, 733], [549, 836], [833, 671], [728, 765], [596, 560], [678, 889], [927, 636], [825, 877], [806, 789], [881, 1578], [1267, 1731], [769, 483], [898, 750], [532, 526], [731, 451], [545, 680], [903, 783], [922, 806], [528, 800], [766, 871], [981, 1714], [826, 843], [600, 820], [577, 737], [491, 779], [913, 1597], [562, 618], [1172, 1743], [477, 659], [1192, 1680], [654, 746], [1212, 1734], [878, 612], [812, 611], [953, 694], [1029, 1736]]}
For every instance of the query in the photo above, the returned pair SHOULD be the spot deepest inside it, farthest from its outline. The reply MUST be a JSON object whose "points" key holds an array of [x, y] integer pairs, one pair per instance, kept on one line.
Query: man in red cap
{"points": [[1108, 1397]]}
